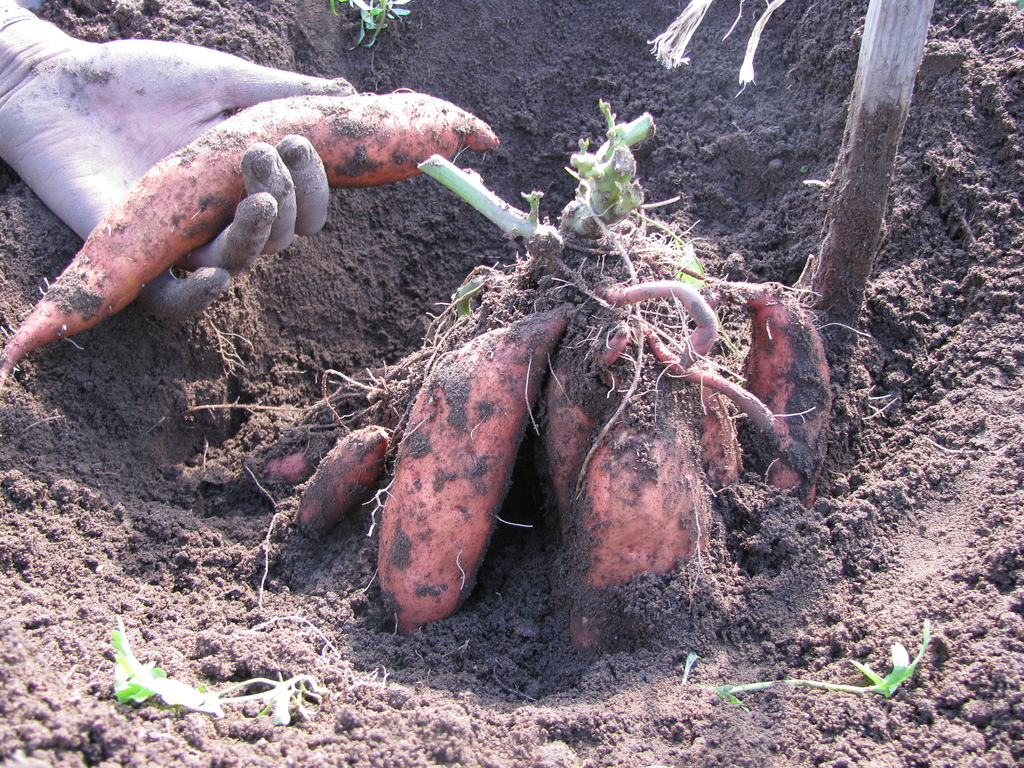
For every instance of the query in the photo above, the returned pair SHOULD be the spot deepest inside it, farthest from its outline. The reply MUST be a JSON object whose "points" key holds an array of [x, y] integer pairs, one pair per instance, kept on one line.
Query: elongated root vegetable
{"points": [[568, 433], [454, 465], [787, 396], [633, 502], [346, 477], [787, 370], [189, 197], [718, 439], [643, 507], [290, 468]]}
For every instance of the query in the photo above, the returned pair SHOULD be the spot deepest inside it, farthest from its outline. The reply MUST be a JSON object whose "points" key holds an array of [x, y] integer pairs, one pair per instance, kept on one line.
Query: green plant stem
{"points": [[636, 130], [513, 222], [730, 689], [902, 670]]}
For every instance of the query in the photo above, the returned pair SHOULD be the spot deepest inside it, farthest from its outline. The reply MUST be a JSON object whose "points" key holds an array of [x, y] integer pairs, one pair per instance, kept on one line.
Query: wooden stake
{"points": [[890, 55]]}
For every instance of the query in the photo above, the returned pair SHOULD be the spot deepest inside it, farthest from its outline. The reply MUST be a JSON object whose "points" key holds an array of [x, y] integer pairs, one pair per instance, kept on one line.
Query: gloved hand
{"points": [[81, 122]]}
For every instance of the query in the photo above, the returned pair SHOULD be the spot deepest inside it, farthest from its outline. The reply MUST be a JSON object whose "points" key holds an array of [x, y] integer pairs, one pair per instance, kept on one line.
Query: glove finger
{"points": [[245, 84], [264, 171], [312, 192], [242, 241], [189, 296]]}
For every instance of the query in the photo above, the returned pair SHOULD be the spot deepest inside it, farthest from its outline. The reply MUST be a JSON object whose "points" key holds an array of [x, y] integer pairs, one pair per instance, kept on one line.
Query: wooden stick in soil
{"points": [[890, 55]]}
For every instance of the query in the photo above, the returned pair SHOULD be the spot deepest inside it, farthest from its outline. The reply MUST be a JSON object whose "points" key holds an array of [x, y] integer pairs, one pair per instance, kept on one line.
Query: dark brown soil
{"points": [[128, 483]]}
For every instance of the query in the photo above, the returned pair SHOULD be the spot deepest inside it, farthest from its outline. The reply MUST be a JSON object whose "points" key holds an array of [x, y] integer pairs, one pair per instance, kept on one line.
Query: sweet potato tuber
{"points": [[787, 370], [787, 396], [567, 436], [721, 449], [186, 199], [454, 464], [290, 468], [345, 479], [643, 507]]}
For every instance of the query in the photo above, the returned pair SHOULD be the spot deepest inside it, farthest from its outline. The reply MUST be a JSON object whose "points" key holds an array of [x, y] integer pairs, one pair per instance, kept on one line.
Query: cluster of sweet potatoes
{"points": [[632, 445]]}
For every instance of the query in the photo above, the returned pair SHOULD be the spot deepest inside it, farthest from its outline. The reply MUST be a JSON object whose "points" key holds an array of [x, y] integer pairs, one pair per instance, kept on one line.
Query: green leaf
{"points": [[725, 692], [691, 659], [136, 682], [869, 673], [902, 667]]}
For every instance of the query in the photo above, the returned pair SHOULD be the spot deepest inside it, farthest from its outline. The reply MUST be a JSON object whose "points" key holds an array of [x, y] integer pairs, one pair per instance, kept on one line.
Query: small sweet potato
{"points": [[454, 464], [568, 433], [289, 468], [787, 370], [722, 462], [186, 199], [345, 478]]}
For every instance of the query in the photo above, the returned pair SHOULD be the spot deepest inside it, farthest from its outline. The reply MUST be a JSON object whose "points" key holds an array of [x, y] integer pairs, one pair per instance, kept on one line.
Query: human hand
{"points": [[81, 122]]}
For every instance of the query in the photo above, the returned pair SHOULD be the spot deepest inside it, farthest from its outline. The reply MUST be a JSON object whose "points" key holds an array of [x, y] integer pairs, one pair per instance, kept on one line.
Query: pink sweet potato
{"points": [[454, 465], [186, 199], [289, 468], [346, 477], [787, 370], [568, 433], [643, 508], [722, 462]]}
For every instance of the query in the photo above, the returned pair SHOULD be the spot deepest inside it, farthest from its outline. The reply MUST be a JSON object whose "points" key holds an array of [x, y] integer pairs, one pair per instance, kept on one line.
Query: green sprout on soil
{"points": [[135, 682], [374, 17], [902, 669]]}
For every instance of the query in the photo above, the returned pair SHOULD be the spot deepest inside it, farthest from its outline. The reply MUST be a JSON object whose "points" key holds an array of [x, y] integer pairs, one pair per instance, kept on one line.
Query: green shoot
{"points": [[374, 17], [606, 193], [472, 287], [728, 692], [542, 240], [902, 669], [691, 659], [135, 682], [467, 185]]}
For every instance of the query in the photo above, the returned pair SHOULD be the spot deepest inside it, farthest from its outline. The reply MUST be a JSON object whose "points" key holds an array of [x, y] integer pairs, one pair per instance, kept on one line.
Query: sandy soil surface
{"points": [[130, 469]]}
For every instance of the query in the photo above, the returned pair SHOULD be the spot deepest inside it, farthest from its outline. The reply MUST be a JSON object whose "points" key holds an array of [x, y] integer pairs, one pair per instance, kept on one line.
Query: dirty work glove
{"points": [[81, 122]]}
